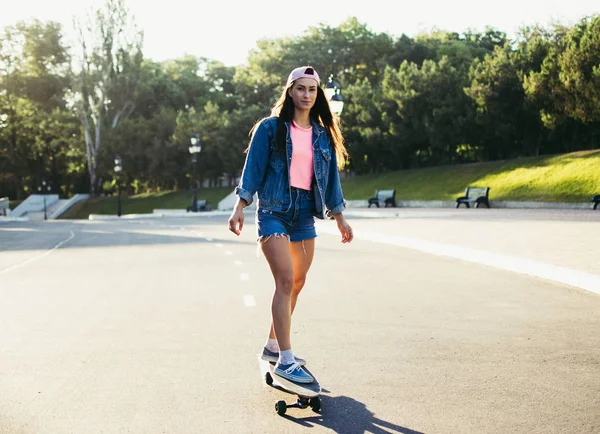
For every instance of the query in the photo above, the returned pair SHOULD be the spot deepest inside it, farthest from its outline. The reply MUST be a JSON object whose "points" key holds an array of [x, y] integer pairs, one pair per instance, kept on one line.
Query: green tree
{"points": [[428, 111], [580, 70], [367, 138], [108, 70], [33, 82], [498, 94]]}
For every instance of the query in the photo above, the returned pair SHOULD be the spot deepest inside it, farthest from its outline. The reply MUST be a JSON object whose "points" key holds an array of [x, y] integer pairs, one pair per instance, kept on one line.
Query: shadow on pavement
{"points": [[36, 237], [346, 415]]}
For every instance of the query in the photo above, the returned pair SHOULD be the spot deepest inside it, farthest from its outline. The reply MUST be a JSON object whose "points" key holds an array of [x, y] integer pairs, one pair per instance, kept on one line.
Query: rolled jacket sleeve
{"points": [[334, 198]]}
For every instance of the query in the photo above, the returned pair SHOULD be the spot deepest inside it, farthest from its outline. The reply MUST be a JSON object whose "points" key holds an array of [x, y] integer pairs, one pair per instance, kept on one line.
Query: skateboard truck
{"points": [[314, 403], [302, 402]]}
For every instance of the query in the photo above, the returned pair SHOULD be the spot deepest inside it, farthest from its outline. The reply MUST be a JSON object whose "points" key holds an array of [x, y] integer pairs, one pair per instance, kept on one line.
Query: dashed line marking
{"points": [[244, 277], [249, 301]]}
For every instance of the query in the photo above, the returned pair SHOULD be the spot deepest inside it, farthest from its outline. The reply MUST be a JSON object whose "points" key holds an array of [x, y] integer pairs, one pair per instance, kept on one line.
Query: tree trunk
{"points": [[90, 156]]}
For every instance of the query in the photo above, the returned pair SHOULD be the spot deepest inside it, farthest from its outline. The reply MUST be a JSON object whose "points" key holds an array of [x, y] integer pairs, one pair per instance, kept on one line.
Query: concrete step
{"points": [[39, 215], [56, 205], [35, 215]]}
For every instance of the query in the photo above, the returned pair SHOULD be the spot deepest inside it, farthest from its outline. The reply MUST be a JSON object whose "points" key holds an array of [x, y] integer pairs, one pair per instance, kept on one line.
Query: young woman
{"points": [[292, 162]]}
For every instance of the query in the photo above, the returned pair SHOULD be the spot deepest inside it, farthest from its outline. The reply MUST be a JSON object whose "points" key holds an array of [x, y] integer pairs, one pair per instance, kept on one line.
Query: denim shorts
{"points": [[297, 224]]}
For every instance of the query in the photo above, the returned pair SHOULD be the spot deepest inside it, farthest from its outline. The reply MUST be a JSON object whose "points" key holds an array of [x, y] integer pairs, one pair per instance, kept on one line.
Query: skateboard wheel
{"points": [[315, 404], [280, 407], [268, 379]]}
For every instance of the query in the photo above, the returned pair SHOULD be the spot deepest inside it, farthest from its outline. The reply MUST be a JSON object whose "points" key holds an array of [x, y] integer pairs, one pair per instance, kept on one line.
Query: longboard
{"points": [[308, 394]]}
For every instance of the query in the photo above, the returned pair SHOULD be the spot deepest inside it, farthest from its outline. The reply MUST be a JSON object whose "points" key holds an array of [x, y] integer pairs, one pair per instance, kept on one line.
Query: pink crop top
{"points": [[301, 169]]}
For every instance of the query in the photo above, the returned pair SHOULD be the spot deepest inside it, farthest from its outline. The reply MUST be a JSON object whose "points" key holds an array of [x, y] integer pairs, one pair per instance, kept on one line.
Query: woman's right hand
{"points": [[236, 220]]}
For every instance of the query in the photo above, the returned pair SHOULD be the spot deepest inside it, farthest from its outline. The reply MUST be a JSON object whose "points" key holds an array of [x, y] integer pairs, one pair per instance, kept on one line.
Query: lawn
{"points": [[571, 177]]}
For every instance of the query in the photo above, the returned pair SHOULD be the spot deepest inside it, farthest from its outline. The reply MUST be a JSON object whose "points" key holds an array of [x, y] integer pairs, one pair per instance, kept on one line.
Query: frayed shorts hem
{"points": [[265, 238], [294, 239]]}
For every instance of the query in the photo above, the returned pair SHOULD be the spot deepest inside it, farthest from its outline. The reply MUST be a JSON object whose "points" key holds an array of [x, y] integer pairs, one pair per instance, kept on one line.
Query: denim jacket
{"points": [[267, 171]]}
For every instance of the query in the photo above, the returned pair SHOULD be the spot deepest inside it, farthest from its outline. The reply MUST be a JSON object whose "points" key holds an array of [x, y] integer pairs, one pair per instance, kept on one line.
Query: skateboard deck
{"points": [[308, 394]]}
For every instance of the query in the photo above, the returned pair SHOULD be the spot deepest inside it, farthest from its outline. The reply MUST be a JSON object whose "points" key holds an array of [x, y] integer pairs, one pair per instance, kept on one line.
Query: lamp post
{"points": [[334, 96], [333, 93], [195, 148], [118, 169], [43, 190]]}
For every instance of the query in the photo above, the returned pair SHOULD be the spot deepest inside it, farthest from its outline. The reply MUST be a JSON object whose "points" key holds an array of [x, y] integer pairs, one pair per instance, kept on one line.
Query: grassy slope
{"points": [[571, 177]]}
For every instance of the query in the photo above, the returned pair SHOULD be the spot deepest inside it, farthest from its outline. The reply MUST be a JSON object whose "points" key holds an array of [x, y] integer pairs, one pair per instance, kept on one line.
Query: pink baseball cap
{"points": [[303, 72]]}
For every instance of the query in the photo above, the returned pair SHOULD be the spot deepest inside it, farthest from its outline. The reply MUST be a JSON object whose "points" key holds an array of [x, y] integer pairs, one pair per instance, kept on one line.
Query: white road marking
{"points": [[577, 278], [249, 301], [219, 245], [244, 277], [18, 230], [47, 252], [238, 262], [228, 252]]}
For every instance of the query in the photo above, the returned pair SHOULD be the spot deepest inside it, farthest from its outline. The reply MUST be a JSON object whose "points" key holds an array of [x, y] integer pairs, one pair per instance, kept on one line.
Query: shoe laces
{"points": [[292, 368]]}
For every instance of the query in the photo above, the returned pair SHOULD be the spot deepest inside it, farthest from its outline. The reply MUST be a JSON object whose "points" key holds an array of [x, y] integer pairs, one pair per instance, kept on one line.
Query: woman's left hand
{"points": [[344, 228]]}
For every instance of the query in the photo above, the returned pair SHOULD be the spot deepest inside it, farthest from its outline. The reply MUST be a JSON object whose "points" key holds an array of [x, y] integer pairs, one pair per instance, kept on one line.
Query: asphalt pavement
{"points": [[155, 326], [558, 245]]}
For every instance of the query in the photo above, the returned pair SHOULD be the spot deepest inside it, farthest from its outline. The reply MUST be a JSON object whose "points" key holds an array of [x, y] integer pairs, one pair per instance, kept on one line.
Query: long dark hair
{"points": [[320, 113]]}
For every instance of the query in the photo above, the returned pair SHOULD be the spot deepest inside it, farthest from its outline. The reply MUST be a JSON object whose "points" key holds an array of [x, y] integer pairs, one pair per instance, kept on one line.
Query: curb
{"points": [[14, 219], [158, 215]]}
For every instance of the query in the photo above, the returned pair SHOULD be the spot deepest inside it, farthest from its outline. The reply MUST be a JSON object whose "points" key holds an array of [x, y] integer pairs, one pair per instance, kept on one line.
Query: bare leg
{"points": [[302, 257], [278, 256]]}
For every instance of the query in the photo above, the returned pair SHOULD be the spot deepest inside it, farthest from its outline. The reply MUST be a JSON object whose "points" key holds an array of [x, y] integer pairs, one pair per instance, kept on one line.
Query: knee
{"points": [[285, 284], [299, 283]]}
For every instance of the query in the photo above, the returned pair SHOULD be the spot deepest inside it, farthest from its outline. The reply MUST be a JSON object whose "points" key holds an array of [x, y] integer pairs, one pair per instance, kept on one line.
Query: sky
{"points": [[227, 30]]}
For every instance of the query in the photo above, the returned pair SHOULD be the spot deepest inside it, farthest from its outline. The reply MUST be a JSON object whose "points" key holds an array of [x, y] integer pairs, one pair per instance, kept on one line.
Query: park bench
{"points": [[387, 198], [476, 195], [201, 205], [596, 200]]}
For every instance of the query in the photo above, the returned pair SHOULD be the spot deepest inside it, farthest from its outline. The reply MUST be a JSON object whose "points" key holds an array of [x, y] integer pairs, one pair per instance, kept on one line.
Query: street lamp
{"points": [[195, 148], [334, 96], [42, 189], [118, 169]]}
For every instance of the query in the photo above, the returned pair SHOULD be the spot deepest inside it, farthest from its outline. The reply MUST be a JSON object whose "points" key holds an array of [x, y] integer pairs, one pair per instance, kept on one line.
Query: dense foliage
{"points": [[433, 99]]}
